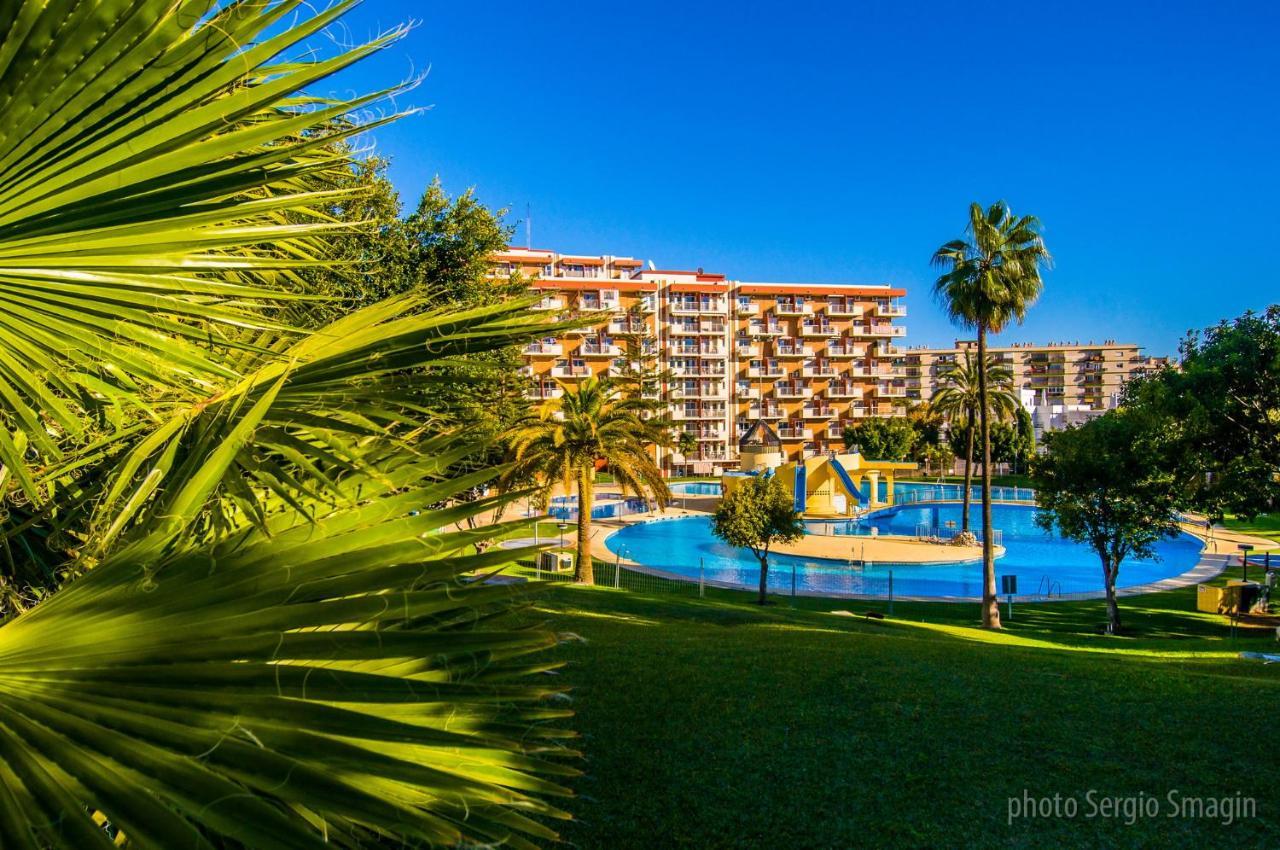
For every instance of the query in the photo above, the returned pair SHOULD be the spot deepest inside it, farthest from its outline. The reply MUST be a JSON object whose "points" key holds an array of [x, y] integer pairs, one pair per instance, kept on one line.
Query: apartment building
{"points": [[810, 359], [1070, 375]]}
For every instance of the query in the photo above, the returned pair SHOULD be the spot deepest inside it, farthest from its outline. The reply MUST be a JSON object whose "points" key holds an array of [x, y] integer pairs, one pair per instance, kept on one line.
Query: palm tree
{"points": [[991, 277], [959, 397], [222, 505], [567, 441]]}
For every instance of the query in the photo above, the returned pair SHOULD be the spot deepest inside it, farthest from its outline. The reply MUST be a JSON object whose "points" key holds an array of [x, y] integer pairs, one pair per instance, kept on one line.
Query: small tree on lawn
{"points": [[1107, 483], [755, 516]]}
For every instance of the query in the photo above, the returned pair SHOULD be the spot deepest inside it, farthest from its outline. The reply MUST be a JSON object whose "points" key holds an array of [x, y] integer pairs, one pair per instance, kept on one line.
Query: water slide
{"points": [[799, 488], [854, 492]]}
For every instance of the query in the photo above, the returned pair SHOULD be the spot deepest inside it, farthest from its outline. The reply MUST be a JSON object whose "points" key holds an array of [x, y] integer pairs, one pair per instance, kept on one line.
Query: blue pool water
{"points": [[566, 507], [679, 545], [696, 488]]}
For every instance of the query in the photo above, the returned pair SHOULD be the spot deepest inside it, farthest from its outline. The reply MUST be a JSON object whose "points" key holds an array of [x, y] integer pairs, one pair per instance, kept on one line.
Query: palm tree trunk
{"points": [[968, 475], [764, 579], [990, 606], [585, 573]]}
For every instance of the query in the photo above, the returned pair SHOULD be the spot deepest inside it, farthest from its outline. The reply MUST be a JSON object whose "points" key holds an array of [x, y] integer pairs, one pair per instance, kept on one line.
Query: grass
{"points": [[1263, 525], [714, 723]]}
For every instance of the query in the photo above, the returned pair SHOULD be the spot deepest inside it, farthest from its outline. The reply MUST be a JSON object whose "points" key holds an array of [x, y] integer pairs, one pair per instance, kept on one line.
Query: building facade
{"points": [[1069, 376], [809, 359]]}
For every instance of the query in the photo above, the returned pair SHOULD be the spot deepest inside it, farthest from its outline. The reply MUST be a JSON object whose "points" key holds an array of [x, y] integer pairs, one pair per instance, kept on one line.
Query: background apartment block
{"points": [[811, 359], [1074, 376]]}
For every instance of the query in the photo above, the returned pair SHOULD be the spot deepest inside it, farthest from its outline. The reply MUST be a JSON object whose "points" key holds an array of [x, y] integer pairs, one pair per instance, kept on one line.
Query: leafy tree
{"points": [[990, 279], [887, 438], [1224, 404], [231, 501], [566, 441], [1109, 483], [756, 515], [959, 399]]}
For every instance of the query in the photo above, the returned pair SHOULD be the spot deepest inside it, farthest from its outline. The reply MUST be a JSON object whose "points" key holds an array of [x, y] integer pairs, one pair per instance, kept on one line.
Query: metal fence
{"points": [[955, 493], [785, 580]]}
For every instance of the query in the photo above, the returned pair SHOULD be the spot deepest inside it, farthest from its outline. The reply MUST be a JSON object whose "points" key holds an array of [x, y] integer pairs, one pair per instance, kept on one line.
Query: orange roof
{"points": [[767, 289], [707, 286], [581, 261], [623, 261]]}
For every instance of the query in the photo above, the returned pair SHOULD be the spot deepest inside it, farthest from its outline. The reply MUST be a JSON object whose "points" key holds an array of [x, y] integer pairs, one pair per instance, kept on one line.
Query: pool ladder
{"points": [[1047, 588]]}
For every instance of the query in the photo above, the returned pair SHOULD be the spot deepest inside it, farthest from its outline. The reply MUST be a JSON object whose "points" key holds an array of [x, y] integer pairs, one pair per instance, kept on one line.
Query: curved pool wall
{"points": [[686, 547]]}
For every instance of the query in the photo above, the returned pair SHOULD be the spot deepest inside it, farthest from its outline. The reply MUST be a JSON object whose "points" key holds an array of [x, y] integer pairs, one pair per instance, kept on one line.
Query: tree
{"points": [[887, 438], [567, 440], [990, 279], [960, 396], [755, 515], [1109, 483], [198, 462], [1223, 403]]}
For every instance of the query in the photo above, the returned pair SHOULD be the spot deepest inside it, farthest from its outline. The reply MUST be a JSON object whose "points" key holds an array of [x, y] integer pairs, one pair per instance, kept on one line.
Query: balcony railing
{"points": [[818, 329], [550, 303], [791, 307], [836, 307], [544, 348], [596, 349], [544, 393], [819, 371], [818, 412], [781, 350], [791, 391], [795, 432], [888, 308], [843, 351], [571, 372], [759, 328], [843, 390]]}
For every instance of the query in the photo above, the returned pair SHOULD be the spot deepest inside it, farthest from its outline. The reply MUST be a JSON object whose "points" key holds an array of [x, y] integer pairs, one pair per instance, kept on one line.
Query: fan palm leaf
{"points": [[138, 230]]}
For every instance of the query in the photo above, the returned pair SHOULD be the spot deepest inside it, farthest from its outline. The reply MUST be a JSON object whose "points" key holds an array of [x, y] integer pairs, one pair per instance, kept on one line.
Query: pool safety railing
{"points": [[955, 493], [857, 579], [1048, 587]]}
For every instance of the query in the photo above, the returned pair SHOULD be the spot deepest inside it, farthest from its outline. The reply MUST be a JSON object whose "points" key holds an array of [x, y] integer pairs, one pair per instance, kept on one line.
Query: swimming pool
{"points": [[566, 507], [1036, 557], [696, 488]]}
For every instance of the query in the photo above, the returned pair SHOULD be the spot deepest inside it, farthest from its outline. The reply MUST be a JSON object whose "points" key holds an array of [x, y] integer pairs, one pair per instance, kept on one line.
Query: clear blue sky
{"points": [[800, 142]]}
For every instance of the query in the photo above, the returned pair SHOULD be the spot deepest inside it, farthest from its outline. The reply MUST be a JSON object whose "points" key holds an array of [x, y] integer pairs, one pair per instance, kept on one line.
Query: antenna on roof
{"points": [[528, 227], [652, 267]]}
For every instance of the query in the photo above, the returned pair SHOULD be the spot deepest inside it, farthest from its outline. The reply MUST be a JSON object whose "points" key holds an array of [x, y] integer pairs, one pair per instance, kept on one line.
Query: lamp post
{"points": [[1245, 549], [562, 526]]}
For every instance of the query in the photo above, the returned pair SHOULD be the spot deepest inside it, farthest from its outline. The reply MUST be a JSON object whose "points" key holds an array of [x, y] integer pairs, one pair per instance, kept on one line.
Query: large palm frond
{"points": [[306, 684], [138, 228]]}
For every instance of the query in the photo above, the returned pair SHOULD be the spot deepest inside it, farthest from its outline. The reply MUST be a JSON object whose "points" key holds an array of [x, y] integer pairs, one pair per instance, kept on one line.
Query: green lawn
{"points": [[1265, 525], [714, 723]]}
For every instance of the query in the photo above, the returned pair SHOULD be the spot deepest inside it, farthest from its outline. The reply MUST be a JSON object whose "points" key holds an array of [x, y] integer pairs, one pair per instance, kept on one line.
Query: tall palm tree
{"points": [[990, 278], [567, 440], [959, 397]]}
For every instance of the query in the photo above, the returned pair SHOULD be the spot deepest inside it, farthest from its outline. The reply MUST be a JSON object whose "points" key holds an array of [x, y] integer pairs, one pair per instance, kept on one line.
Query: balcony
{"points": [[857, 411], [747, 391], [791, 350], [792, 307], [819, 329], [747, 348], [544, 348], [692, 306], [711, 351], [713, 328], [887, 349], [544, 393], [768, 370], [571, 373], [759, 327], [843, 307], [599, 349], [844, 351], [765, 412], [791, 431], [791, 391], [622, 326], [698, 368], [818, 370], [891, 391], [889, 308], [683, 328], [884, 329], [550, 302], [814, 411], [843, 390], [746, 307]]}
